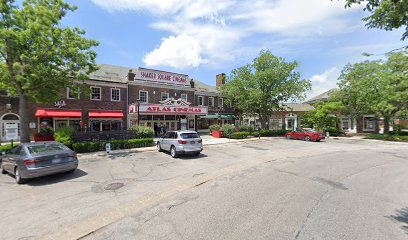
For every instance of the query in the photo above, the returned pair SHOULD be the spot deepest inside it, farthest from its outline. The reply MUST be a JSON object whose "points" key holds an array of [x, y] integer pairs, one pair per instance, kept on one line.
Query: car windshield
{"points": [[40, 149], [189, 135]]}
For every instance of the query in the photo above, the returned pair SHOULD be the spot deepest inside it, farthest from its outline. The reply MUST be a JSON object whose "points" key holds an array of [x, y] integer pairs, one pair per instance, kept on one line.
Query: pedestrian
{"points": [[156, 129]]}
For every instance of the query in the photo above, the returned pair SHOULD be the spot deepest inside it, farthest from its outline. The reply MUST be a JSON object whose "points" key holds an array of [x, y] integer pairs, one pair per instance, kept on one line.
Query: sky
{"points": [[202, 38]]}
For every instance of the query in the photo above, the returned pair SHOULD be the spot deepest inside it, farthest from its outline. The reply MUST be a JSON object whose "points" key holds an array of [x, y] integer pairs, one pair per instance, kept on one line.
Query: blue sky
{"points": [[204, 37]]}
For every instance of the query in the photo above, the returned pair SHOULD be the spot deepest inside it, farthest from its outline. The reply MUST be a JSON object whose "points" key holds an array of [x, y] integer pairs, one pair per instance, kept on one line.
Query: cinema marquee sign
{"points": [[174, 110], [163, 77]]}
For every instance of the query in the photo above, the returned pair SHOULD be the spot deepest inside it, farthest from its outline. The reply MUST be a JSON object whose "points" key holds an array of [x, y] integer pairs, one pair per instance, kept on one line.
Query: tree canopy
{"points": [[38, 56], [379, 87], [324, 116], [385, 14], [258, 89]]}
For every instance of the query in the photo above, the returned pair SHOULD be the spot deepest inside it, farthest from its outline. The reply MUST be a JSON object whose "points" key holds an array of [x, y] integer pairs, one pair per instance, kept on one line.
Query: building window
{"points": [[211, 101], [72, 94], [275, 124], [105, 125], [143, 96], [115, 94], [200, 101], [184, 96], [220, 102], [96, 93], [368, 123], [164, 96]]}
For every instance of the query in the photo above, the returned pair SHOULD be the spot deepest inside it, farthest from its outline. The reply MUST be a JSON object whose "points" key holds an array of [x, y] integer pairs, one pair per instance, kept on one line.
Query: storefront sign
{"points": [[32, 125], [161, 109], [163, 77], [60, 104]]}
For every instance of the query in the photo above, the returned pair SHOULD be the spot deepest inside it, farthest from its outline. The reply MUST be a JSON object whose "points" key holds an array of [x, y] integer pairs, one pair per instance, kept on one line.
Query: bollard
{"points": [[108, 148]]}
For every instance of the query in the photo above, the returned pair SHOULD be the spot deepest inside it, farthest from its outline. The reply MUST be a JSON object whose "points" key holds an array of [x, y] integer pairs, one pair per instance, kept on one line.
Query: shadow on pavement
{"points": [[401, 217], [191, 157], [56, 178]]}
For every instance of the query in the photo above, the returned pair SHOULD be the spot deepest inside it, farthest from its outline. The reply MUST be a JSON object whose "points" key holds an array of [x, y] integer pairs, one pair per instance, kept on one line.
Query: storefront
{"points": [[99, 120], [171, 114], [204, 122]]}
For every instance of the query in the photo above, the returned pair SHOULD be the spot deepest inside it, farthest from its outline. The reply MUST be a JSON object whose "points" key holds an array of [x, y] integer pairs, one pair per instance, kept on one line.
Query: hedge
{"points": [[269, 133], [399, 133], [387, 137], [239, 135], [83, 147], [6, 147]]}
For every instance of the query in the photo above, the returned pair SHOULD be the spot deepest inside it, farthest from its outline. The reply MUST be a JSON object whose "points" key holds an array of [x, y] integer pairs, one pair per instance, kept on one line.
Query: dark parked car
{"points": [[30, 160], [307, 135]]}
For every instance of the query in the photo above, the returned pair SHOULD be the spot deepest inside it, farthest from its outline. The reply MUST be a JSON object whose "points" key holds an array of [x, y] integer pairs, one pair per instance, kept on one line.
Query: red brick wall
{"points": [[154, 93]]}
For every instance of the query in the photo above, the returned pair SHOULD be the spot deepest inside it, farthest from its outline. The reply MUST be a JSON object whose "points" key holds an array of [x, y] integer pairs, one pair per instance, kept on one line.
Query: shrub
{"points": [[246, 128], [227, 129], [215, 127], [83, 147], [387, 137], [142, 131], [400, 133], [334, 132], [270, 133], [45, 132], [6, 147], [65, 136], [239, 135]]}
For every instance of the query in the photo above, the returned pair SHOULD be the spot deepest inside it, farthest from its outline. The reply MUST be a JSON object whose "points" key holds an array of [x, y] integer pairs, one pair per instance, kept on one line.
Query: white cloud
{"points": [[179, 52], [324, 81], [223, 27]]}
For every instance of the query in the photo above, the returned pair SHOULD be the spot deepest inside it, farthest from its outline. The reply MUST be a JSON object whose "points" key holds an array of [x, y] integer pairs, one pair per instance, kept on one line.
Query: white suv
{"points": [[180, 142]]}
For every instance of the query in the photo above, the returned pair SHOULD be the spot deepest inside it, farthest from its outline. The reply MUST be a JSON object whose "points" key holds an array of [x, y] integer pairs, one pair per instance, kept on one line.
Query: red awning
{"points": [[105, 114], [58, 113]]}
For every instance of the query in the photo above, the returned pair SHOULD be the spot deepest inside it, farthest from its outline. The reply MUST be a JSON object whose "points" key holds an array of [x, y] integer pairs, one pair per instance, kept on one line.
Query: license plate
{"points": [[192, 142], [58, 160]]}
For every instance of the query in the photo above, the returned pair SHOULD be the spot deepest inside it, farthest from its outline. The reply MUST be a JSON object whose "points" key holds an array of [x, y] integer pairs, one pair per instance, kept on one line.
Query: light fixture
{"points": [[8, 106]]}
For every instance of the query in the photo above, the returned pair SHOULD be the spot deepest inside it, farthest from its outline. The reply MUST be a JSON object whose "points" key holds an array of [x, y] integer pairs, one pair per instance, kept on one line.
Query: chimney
{"points": [[192, 83], [131, 75], [219, 79]]}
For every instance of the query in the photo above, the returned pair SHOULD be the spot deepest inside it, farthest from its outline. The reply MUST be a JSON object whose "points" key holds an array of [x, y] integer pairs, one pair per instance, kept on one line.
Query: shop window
{"points": [[73, 93], [345, 123], [200, 101], [164, 96], [169, 117], [105, 125], [275, 124], [95, 126], [116, 125], [115, 94], [158, 117], [184, 96], [368, 123], [96, 93], [220, 102], [145, 117], [143, 96], [211, 101]]}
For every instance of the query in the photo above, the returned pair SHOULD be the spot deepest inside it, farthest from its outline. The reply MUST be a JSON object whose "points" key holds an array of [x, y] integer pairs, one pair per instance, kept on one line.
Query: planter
{"points": [[217, 134], [43, 138]]}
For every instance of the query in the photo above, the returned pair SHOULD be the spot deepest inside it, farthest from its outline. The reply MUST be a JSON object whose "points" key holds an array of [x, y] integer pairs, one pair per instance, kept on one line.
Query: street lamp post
{"points": [[137, 103]]}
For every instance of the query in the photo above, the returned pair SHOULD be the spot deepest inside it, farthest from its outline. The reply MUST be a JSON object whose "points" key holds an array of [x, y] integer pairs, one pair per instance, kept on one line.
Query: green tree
{"points": [[258, 88], [38, 56], [385, 14], [324, 116], [379, 87]]}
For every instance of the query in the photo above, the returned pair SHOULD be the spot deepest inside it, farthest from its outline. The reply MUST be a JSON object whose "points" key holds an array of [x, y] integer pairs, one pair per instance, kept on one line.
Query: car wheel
{"points": [[288, 137], [159, 147], [307, 138], [19, 180], [173, 152]]}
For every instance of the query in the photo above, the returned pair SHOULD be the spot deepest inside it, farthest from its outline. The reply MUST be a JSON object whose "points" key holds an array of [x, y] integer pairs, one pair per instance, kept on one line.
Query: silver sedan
{"points": [[30, 160]]}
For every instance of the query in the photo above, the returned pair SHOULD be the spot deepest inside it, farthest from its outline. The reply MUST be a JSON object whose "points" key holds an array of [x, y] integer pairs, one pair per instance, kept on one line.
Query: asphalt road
{"points": [[267, 189]]}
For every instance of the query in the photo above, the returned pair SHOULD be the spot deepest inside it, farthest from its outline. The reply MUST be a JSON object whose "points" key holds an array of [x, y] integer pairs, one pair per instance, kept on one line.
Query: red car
{"points": [[307, 135]]}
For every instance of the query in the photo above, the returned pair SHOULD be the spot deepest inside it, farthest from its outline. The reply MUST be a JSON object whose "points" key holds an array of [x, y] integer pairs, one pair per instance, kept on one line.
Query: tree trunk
{"points": [[386, 125], [23, 112]]}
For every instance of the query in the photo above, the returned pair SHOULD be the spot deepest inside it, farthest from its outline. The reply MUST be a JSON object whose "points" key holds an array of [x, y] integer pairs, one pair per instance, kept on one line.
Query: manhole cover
{"points": [[114, 186]]}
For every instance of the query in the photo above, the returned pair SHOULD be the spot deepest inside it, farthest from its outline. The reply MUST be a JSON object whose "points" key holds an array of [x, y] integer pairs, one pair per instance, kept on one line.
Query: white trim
{"points": [[364, 127], [147, 95], [100, 94], [167, 96], [222, 101], [213, 104], [113, 100], [91, 82], [68, 97], [2, 116], [184, 94], [202, 102], [147, 84]]}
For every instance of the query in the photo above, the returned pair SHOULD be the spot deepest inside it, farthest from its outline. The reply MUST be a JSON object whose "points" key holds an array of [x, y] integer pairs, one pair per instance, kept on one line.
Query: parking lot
{"points": [[107, 190]]}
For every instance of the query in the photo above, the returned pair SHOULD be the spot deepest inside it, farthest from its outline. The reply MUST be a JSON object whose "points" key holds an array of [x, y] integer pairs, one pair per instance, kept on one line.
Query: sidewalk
{"points": [[207, 140]]}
